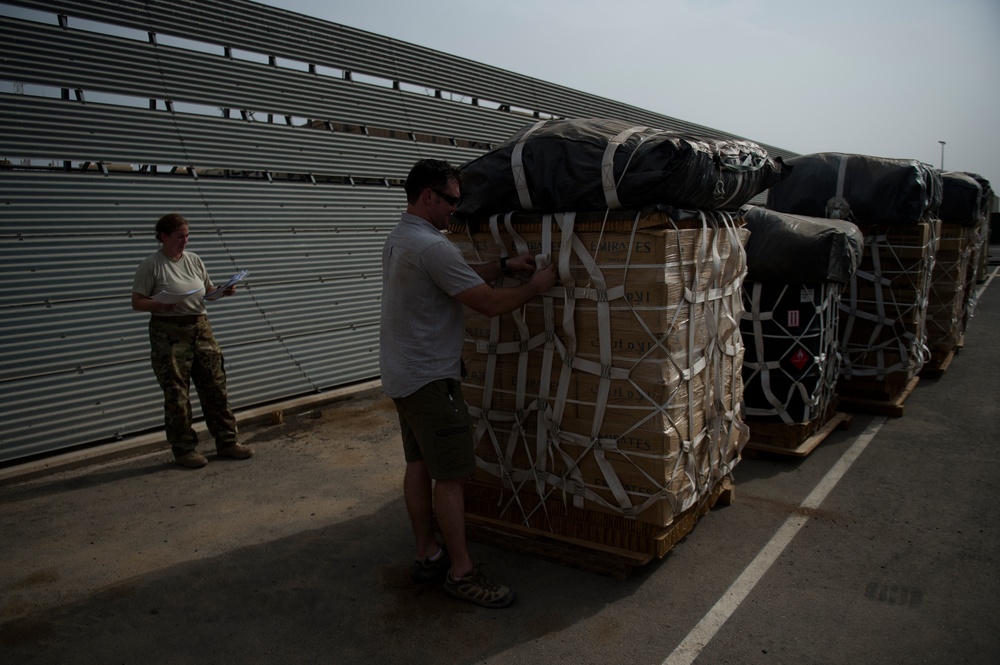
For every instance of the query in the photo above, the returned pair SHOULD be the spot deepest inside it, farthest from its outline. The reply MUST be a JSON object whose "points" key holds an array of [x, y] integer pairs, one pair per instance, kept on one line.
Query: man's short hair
{"points": [[430, 174]]}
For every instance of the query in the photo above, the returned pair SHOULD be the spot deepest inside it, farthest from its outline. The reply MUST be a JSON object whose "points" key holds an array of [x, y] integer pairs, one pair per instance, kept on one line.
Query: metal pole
{"points": [[942, 154]]}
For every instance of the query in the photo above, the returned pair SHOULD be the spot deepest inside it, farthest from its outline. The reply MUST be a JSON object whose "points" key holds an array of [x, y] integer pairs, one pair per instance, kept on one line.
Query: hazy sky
{"points": [[888, 78]]}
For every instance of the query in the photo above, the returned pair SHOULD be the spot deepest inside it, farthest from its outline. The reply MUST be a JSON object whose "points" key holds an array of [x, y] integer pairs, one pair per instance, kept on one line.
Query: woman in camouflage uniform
{"points": [[183, 347]]}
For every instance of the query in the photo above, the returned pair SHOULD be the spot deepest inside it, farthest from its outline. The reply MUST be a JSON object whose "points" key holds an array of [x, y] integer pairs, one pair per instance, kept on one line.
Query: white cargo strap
{"points": [[571, 246], [608, 166], [517, 168], [838, 207], [842, 176], [763, 368], [545, 374]]}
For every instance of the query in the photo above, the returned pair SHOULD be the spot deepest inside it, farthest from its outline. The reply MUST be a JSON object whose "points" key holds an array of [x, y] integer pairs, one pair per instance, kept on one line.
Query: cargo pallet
{"points": [[888, 405], [602, 558], [787, 439]]}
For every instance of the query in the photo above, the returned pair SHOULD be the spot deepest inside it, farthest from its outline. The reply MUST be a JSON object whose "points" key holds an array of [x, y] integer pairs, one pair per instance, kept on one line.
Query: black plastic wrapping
{"points": [[794, 249], [873, 190], [962, 199], [563, 170], [987, 195]]}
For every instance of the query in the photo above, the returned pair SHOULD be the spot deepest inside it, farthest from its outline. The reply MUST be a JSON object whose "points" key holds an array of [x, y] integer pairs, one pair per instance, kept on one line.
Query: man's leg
{"points": [[449, 506], [417, 494]]}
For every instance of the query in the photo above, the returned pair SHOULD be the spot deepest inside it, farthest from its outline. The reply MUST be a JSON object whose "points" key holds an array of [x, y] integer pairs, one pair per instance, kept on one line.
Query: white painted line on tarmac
{"points": [[989, 278], [702, 634]]}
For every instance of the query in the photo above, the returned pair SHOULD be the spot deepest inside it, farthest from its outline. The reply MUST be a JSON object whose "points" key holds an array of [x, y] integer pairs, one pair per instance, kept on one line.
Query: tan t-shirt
{"points": [[158, 273]]}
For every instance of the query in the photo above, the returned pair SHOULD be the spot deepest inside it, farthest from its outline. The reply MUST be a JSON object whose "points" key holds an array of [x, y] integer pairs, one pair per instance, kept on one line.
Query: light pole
{"points": [[942, 154]]}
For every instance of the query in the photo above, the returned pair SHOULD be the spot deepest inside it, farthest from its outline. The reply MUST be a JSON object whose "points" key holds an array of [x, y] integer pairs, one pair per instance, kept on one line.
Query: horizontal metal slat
{"points": [[61, 130], [122, 66], [260, 29], [78, 203]]}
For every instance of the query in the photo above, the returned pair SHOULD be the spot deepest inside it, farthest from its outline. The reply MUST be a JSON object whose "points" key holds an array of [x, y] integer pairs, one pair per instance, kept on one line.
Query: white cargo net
{"points": [[883, 311], [815, 336], [621, 388]]}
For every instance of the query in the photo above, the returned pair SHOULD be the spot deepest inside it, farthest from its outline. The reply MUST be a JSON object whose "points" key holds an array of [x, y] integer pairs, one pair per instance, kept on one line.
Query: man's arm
{"points": [[492, 302], [519, 266]]}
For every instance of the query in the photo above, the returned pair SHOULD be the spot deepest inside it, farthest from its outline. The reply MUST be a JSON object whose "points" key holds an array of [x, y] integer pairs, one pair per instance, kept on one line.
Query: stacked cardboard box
{"points": [[612, 405], [884, 310], [946, 302]]}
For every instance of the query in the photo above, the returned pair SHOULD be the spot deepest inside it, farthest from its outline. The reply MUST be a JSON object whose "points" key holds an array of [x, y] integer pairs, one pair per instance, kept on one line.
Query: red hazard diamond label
{"points": [[800, 358]]}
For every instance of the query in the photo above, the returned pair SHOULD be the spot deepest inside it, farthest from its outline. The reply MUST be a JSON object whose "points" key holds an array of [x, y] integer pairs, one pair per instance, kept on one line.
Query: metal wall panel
{"points": [[116, 65], [306, 319], [241, 24], [305, 209]]}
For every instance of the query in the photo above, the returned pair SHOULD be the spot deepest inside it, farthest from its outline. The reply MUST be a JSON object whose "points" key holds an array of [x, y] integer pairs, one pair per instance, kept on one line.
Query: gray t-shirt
{"points": [[423, 327], [158, 273]]}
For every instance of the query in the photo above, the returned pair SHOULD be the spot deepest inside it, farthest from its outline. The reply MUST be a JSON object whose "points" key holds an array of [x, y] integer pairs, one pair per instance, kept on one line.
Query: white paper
{"points": [[233, 281], [169, 298]]}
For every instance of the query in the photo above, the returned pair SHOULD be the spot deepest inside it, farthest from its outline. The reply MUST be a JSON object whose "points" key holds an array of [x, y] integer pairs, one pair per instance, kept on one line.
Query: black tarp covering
{"points": [[987, 195], [865, 190], [962, 199], [561, 166], [796, 249]]}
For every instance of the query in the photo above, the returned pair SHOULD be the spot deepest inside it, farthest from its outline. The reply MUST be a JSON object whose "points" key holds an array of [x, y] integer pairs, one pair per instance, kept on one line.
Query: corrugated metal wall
{"points": [[284, 140]]}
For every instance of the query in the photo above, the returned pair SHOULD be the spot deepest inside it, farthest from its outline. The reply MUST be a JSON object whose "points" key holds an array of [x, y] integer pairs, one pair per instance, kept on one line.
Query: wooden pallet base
{"points": [[891, 407], [837, 421], [593, 557], [938, 364]]}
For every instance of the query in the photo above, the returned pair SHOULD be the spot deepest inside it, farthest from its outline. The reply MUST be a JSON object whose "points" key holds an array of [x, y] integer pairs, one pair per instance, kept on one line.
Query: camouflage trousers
{"points": [[183, 353]]}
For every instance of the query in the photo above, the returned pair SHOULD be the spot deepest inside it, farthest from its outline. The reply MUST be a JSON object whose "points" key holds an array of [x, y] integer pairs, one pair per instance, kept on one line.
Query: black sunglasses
{"points": [[448, 198]]}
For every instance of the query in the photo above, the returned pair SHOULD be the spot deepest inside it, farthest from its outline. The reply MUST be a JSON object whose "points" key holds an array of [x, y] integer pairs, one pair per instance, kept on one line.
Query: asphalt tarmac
{"points": [[881, 546]]}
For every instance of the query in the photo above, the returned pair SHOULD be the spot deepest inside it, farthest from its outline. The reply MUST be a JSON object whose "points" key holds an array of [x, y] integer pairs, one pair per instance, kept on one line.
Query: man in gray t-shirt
{"points": [[426, 283]]}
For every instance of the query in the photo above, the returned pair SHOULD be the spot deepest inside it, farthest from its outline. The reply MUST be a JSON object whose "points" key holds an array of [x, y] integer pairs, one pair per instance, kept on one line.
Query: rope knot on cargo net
{"points": [[838, 208], [719, 192]]}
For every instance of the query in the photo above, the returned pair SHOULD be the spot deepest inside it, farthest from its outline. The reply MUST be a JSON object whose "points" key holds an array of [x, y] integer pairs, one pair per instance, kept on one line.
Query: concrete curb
{"points": [[155, 441]]}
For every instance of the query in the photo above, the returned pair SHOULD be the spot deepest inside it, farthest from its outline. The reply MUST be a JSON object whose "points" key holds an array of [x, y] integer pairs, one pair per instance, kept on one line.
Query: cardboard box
{"points": [[621, 389]]}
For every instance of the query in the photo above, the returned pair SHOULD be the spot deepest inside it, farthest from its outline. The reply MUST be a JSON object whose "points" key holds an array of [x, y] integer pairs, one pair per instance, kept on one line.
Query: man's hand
{"points": [[545, 278], [521, 266]]}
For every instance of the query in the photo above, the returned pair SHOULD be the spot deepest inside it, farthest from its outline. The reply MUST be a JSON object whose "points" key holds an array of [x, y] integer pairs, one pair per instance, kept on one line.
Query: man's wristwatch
{"points": [[503, 265]]}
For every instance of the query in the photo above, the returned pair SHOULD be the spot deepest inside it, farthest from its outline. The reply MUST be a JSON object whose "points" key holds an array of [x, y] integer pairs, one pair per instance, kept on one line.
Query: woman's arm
{"points": [[141, 303]]}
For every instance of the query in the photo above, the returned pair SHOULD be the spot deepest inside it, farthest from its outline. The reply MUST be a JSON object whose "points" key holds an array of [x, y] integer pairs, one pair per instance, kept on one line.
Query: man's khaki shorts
{"points": [[436, 428]]}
